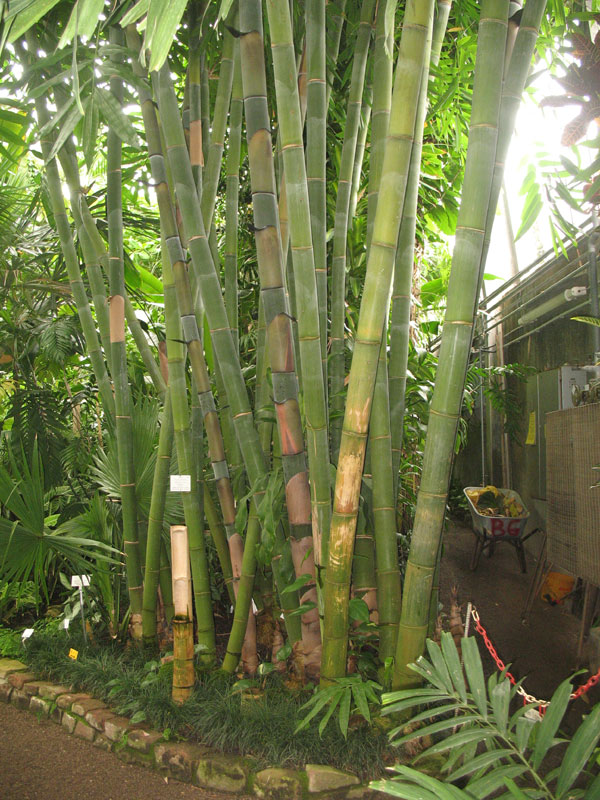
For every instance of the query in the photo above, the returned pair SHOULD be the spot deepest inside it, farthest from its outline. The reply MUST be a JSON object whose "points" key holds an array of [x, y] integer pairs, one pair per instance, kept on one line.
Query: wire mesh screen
{"points": [[572, 449]]}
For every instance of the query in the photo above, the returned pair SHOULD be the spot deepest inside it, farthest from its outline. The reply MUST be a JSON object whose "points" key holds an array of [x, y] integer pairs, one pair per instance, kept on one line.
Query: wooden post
{"points": [[183, 630]]}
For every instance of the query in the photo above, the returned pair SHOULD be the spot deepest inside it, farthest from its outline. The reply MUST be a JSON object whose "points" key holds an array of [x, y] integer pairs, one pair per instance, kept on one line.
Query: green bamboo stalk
{"points": [[278, 322], [337, 367], [383, 69], [284, 63], [155, 523], [232, 182], [386, 551], [334, 25], [456, 338], [63, 229], [124, 425], [192, 500], [403, 273], [95, 255], [514, 85], [413, 50], [186, 310], [222, 341], [316, 152], [361, 143], [218, 128], [78, 291], [165, 582], [192, 114]]}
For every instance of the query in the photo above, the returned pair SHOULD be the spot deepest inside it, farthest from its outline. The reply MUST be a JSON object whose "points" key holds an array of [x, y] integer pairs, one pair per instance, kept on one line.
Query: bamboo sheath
{"points": [[277, 319], [337, 368], [403, 273], [416, 33], [456, 339], [284, 63], [383, 502]]}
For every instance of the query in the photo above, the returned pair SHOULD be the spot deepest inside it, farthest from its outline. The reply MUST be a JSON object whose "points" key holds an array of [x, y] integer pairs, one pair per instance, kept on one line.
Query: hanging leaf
{"points": [[89, 134], [115, 119], [66, 130], [82, 22], [23, 14], [161, 29], [138, 10]]}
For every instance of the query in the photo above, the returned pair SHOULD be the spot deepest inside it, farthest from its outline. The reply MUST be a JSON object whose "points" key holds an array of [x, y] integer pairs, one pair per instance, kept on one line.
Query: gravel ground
{"points": [[41, 761]]}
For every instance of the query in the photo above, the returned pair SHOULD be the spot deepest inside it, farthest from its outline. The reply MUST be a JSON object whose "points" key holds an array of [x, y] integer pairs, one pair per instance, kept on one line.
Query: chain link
{"points": [[527, 698]]}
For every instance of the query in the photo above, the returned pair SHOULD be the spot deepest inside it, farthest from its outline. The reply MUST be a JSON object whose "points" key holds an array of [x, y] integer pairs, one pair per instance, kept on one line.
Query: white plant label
{"points": [[181, 483], [27, 633], [80, 580], [65, 624]]}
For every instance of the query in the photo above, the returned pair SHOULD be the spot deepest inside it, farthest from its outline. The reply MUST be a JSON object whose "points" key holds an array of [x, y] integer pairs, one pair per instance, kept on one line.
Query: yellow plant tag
{"points": [[531, 430], [73, 654]]}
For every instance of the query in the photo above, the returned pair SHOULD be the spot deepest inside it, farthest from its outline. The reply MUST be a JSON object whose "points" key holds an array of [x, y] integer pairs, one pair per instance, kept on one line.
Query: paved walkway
{"points": [[40, 761]]}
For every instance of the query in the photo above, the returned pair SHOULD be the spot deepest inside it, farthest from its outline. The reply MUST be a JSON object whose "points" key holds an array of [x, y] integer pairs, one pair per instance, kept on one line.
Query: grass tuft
{"points": [[214, 715]]}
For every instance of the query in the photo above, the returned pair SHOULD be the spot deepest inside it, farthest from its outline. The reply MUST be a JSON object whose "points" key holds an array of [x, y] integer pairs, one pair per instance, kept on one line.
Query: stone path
{"points": [[40, 761]]}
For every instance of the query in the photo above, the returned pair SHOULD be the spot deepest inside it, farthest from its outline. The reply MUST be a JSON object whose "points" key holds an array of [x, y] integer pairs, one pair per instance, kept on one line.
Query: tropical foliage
{"points": [[488, 744], [230, 294]]}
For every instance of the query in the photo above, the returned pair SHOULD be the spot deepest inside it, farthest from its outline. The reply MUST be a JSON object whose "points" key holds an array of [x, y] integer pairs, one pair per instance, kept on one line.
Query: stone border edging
{"points": [[90, 719]]}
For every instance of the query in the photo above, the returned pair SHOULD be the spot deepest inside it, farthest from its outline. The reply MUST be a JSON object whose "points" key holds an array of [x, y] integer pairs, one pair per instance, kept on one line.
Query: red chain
{"points": [[527, 698]]}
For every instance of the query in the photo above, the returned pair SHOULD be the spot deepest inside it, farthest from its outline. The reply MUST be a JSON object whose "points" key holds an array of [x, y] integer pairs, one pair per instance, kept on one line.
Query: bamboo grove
{"points": [[289, 432]]}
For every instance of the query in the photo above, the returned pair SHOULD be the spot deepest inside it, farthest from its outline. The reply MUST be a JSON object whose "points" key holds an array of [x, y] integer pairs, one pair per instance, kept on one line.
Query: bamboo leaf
{"points": [[161, 29], [475, 676], [579, 751], [483, 761], [138, 10], [66, 130], [344, 716], [359, 695], [23, 15], [404, 790], [514, 790], [484, 787], [500, 700], [115, 119], [82, 22], [435, 654], [298, 583], [549, 725], [454, 666], [89, 135]]}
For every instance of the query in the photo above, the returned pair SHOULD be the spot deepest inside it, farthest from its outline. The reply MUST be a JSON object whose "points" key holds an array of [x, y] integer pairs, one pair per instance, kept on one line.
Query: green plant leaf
{"points": [[579, 751], [500, 701], [488, 784], [450, 653], [115, 119], [358, 610], [438, 662], [139, 716], [550, 722], [588, 320], [161, 29], [344, 715], [23, 14], [301, 581], [135, 13], [475, 676], [481, 762], [514, 790]]}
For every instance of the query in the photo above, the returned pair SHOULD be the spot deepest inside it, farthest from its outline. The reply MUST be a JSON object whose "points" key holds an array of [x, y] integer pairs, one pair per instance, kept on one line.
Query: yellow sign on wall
{"points": [[531, 429]]}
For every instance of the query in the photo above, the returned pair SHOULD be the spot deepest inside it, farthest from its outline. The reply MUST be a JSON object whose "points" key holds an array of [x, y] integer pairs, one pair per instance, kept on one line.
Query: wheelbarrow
{"points": [[489, 530]]}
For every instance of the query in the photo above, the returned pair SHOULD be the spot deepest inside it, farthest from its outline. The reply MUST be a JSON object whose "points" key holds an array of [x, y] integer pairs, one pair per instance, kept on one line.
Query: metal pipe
{"points": [[593, 279]]}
